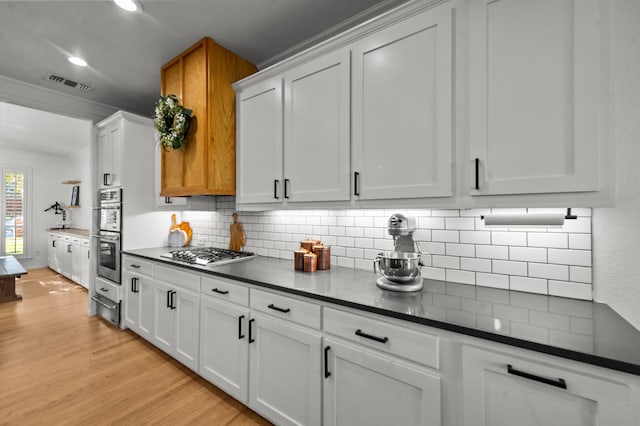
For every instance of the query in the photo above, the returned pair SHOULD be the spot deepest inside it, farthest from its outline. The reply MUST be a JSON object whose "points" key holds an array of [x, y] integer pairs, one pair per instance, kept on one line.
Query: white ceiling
{"points": [[125, 51], [27, 129]]}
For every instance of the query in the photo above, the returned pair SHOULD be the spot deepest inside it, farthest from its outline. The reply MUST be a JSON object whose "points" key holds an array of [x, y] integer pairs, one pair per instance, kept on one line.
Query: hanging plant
{"points": [[172, 122]]}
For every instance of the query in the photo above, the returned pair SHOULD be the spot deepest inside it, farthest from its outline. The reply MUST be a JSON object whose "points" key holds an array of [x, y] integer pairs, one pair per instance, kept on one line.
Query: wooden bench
{"points": [[10, 268]]}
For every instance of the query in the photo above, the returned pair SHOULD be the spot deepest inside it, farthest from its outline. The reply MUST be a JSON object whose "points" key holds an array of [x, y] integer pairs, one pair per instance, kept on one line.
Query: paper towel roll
{"points": [[534, 219]]}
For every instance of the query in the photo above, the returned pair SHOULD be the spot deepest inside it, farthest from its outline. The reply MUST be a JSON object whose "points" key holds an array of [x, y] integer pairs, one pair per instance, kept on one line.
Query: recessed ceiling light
{"points": [[77, 61], [128, 5]]}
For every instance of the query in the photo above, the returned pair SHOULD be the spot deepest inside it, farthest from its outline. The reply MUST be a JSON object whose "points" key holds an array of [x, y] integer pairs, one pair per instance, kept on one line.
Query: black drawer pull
{"points": [[275, 308], [133, 265], [240, 335], [327, 373], [559, 383], [369, 336], [251, 339], [215, 290], [104, 289]]}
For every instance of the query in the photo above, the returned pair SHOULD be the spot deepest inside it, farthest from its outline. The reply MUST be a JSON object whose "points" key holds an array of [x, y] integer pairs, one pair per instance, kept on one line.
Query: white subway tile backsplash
{"points": [[531, 285], [580, 274], [545, 270], [580, 241], [456, 245], [509, 238], [492, 280], [475, 237], [570, 257], [528, 254], [449, 262], [445, 236], [543, 239], [509, 267], [458, 276], [492, 252], [453, 249]]}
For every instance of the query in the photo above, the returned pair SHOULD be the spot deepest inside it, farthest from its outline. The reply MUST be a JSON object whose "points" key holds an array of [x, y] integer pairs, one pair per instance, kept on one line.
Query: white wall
{"points": [[80, 170], [616, 231], [44, 189]]}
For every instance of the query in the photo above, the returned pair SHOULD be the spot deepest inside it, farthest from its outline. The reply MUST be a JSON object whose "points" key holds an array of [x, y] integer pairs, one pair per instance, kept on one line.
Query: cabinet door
{"points": [[77, 261], [63, 254], [365, 388], [145, 293], [284, 382], [163, 317], [402, 108], [51, 253], [131, 314], [110, 155], [260, 139], [164, 201], [536, 102], [187, 327], [84, 259], [495, 396], [317, 129], [224, 354]]}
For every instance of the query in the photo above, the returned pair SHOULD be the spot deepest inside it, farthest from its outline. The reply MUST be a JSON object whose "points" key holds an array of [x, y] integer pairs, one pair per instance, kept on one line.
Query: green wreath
{"points": [[172, 122]]}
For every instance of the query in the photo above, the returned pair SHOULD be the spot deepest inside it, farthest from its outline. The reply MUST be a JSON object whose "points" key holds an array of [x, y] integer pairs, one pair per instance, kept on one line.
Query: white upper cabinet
{"points": [[259, 147], [536, 96], [317, 129], [110, 154], [402, 109]]}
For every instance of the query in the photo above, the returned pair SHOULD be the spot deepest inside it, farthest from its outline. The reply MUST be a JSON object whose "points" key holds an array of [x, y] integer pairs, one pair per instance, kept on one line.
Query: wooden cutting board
{"points": [[237, 236]]}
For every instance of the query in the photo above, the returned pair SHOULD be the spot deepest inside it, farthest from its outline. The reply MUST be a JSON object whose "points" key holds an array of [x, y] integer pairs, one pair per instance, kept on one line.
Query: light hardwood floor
{"points": [[58, 366]]}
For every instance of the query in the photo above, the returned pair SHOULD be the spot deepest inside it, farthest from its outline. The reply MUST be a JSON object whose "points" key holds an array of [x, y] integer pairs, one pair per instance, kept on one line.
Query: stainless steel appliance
{"points": [[207, 255], [109, 255], [107, 308], [111, 209], [399, 269]]}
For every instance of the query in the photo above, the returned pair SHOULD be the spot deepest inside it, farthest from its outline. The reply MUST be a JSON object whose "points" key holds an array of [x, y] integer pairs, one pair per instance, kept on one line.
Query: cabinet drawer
{"points": [[107, 289], [225, 290], [177, 277], [410, 344], [133, 264], [284, 307]]}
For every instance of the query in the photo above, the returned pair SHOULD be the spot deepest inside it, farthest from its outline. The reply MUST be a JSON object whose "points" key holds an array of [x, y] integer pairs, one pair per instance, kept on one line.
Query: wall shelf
{"points": [[71, 182]]}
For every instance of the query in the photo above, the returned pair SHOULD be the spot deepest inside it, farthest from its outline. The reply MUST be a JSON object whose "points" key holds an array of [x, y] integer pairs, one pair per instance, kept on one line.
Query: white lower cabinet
{"points": [[224, 354], [504, 389], [69, 256], [176, 325], [80, 261], [138, 304], [284, 372], [363, 387]]}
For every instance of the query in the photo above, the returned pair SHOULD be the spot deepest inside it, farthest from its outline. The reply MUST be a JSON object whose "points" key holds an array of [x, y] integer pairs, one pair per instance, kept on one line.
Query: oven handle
{"points": [[108, 238], [100, 302]]}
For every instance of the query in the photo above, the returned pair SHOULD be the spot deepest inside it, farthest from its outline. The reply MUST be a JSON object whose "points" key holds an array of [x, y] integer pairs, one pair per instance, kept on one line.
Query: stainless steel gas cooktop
{"points": [[207, 255]]}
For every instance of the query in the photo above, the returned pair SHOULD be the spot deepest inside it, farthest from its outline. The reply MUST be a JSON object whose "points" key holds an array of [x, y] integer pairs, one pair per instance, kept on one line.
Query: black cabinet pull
{"points": [[169, 299], [173, 293], [327, 373], [251, 339], [106, 179], [286, 187], [133, 265], [215, 290], [559, 383], [133, 285], [69, 248], [477, 173], [104, 289], [369, 336], [356, 186], [275, 189], [275, 308], [240, 335], [167, 200], [53, 243]]}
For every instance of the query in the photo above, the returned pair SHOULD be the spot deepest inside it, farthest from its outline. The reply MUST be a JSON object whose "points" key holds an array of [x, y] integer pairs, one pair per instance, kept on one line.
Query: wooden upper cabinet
{"points": [[201, 78]]}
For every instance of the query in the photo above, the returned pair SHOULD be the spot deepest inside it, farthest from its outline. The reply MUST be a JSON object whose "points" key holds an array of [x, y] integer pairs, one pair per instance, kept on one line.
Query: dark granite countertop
{"points": [[580, 330]]}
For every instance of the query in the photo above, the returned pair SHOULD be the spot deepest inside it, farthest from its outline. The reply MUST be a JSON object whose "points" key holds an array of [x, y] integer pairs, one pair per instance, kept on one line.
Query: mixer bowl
{"points": [[398, 266]]}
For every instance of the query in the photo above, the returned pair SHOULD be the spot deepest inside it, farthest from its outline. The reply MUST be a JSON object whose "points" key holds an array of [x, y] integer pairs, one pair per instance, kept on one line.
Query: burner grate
{"points": [[207, 255]]}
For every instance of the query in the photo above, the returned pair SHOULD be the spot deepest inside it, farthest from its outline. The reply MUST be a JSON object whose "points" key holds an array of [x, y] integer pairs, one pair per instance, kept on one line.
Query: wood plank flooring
{"points": [[60, 367]]}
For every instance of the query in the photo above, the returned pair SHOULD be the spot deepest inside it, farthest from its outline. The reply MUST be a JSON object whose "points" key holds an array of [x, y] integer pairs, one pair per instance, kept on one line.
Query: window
{"points": [[14, 212]]}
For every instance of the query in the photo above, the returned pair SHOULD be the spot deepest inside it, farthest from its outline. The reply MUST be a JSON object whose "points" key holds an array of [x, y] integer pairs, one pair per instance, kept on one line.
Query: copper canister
{"points": [[324, 257], [298, 259], [310, 262], [308, 244]]}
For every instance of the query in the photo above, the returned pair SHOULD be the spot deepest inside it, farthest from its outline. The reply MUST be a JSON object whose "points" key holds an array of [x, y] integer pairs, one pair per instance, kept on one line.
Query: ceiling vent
{"points": [[69, 83]]}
